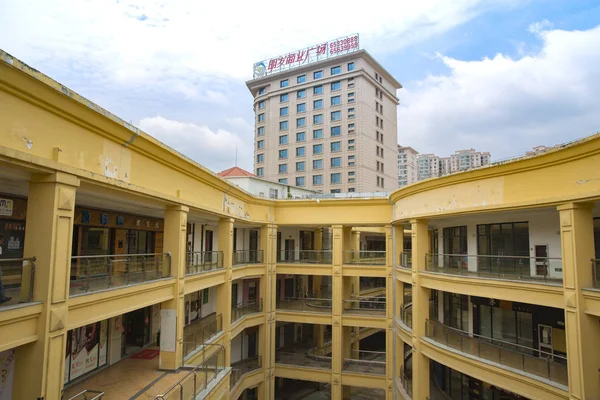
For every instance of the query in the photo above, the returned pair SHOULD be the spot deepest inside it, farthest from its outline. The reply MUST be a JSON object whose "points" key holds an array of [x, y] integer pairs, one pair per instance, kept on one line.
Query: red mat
{"points": [[146, 354]]}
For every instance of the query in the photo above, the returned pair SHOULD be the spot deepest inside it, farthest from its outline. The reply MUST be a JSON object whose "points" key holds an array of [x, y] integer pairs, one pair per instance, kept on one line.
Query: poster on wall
{"points": [[103, 343], [84, 350], [67, 358], [7, 371]]}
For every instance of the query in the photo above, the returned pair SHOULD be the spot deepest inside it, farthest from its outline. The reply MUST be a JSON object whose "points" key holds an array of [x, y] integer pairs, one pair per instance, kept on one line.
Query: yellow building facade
{"points": [[132, 271]]}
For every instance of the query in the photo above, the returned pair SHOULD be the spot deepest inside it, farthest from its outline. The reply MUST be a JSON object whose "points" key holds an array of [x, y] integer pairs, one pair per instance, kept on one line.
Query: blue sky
{"points": [[497, 75]]}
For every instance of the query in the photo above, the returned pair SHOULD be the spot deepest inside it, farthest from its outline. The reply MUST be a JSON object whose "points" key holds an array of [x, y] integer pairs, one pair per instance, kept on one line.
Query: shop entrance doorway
{"points": [[136, 331]]}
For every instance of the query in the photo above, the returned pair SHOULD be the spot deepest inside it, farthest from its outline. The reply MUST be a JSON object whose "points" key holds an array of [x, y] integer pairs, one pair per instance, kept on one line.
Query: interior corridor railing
{"points": [[365, 362], [241, 368], [596, 273], [305, 304], [203, 261], [364, 257], [246, 308], [304, 256], [406, 259], [198, 333], [88, 395], [17, 277], [365, 307], [243, 257]]}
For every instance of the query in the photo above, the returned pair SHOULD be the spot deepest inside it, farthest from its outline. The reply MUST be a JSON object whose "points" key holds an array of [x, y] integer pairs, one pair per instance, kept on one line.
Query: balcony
{"points": [[365, 307], [365, 362], [245, 257], [241, 368], [528, 269], [305, 257], [360, 257], [520, 358], [94, 273], [16, 281], [198, 333], [313, 304], [246, 308], [203, 261]]}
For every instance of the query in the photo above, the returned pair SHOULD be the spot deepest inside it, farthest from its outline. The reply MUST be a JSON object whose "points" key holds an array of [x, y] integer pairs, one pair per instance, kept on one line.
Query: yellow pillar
{"points": [[224, 290], [399, 241], [420, 308], [577, 242], [172, 311], [319, 239], [268, 240], [389, 310], [355, 240], [336, 311], [39, 366]]}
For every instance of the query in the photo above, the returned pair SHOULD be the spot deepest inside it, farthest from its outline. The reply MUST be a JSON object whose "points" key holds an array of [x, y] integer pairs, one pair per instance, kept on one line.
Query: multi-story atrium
{"points": [[129, 271]]}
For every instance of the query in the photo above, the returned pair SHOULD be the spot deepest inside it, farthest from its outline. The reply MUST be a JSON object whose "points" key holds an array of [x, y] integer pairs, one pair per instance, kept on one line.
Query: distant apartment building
{"points": [[413, 166], [325, 119], [539, 149]]}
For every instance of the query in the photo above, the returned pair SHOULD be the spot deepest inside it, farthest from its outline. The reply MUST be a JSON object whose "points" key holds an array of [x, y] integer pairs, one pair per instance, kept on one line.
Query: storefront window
{"points": [[94, 241], [86, 350]]}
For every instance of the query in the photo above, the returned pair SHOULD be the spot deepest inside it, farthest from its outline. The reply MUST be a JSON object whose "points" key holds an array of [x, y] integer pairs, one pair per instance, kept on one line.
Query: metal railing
{"points": [[366, 362], [303, 359], [308, 304], [363, 257], [198, 378], [246, 308], [406, 260], [365, 307], [243, 257], [88, 395], [305, 256], [94, 273], [372, 284], [406, 315], [405, 381], [203, 261], [242, 368], [535, 269], [200, 332], [595, 273], [17, 276], [518, 357]]}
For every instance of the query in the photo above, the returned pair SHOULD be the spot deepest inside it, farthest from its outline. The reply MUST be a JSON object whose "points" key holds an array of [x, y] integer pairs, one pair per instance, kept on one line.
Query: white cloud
{"points": [[507, 105], [213, 149]]}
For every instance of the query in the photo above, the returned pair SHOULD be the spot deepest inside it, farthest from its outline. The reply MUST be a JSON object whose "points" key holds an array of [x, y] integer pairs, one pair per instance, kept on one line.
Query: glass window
{"points": [[300, 122], [259, 171], [283, 181], [299, 151], [261, 117], [282, 168], [318, 89], [318, 134], [336, 70], [317, 164], [283, 125], [350, 66], [317, 179], [455, 241], [300, 181], [336, 162], [350, 126], [284, 83], [301, 94], [260, 131], [261, 105], [336, 191], [283, 111], [351, 190], [351, 110], [336, 178], [336, 86], [260, 158], [302, 79], [317, 149], [262, 90], [336, 146], [317, 104], [318, 119], [350, 161], [300, 166], [301, 107], [336, 100], [260, 144], [283, 139], [283, 97], [283, 154], [336, 115], [300, 137], [317, 74], [336, 130]]}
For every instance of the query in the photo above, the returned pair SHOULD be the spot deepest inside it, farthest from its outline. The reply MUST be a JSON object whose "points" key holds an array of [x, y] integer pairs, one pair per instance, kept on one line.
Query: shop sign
{"points": [[6, 207], [120, 220], [104, 219], [85, 217]]}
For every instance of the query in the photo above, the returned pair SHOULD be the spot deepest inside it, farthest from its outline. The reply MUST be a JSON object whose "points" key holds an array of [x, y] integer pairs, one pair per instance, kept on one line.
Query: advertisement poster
{"points": [[103, 343], [84, 350], [7, 371]]}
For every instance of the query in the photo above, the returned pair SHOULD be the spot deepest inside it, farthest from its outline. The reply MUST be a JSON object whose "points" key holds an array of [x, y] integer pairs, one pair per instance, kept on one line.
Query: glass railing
{"points": [[94, 273], [16, 281], [365, 362], [311, 304], [596, 273], [241, 368], [203, 261], [363, 257], [365, 307], [303, 359], [198, 378], [243, 257], [246, 308], [198, 333], [406, 316], [405, 381], [406, 260], [372, 284], [527, 360], [534, 269], [304, 257]]}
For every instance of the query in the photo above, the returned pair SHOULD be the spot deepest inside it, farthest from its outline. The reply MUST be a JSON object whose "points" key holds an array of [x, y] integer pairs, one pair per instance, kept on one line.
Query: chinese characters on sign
{"points": [[313, 53]]}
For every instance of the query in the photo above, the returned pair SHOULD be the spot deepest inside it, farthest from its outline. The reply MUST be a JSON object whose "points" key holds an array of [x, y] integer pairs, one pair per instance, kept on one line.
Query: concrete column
{"points": [[224, 290], [577, 243], [319, 239], [172, 311], [336, 310], [355, 240], [420, 308], [389, 310], [268, 240], [49, 236], [399, 241]]}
